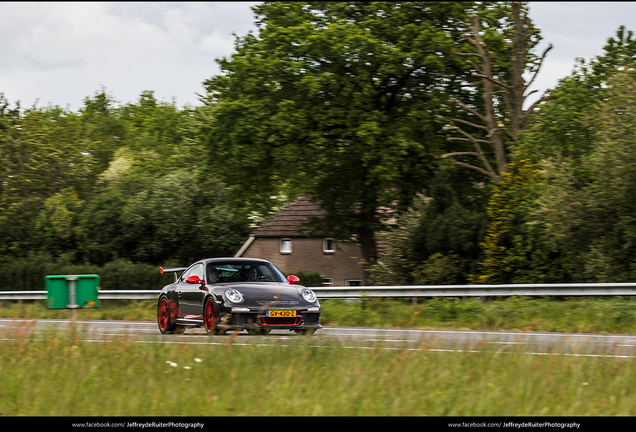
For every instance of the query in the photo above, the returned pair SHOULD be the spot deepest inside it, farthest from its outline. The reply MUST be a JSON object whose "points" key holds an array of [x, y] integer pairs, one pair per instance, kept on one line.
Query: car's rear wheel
{"points": [[210, 317], [164, 320]]}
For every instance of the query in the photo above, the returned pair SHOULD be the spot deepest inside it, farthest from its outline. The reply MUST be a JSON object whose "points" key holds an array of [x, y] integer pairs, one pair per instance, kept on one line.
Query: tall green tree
{"points": [[548, 220], [344, 100], [565, 126], [591, 218], [150, 218], [56, 225], [104, 126], [156, 202], [111, 181], [44, 151]]}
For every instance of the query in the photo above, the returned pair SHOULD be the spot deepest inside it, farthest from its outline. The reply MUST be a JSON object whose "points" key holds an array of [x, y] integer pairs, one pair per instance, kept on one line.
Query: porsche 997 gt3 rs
{"points": [[221, 294]]}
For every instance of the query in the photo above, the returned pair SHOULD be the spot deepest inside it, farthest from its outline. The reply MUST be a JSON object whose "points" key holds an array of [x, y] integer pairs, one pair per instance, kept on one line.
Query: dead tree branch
{"points": [[509, 87]]}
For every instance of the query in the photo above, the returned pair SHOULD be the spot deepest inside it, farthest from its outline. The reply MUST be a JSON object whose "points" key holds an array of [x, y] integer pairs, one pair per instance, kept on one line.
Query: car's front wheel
{"points": [[210, 317], [164, 320]]}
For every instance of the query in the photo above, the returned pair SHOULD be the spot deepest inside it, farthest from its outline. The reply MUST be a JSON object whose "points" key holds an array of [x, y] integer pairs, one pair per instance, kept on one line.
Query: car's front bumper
{"points": [[259, 320]]}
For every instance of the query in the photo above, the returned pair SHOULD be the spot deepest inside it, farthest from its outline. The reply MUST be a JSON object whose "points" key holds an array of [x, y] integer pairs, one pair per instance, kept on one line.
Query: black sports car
{"points": [[222, 294]]}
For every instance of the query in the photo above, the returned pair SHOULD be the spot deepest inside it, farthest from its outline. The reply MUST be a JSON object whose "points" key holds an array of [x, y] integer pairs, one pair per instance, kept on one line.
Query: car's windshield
{"points": [[243, 271]]}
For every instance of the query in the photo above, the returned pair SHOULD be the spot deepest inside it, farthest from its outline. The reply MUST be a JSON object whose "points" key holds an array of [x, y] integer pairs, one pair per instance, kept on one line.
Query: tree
{"points": [[340, 99], [103, 126], [591, 218], [158, 218], [437, 240], [111, 182], [56, 224], [558, 213], [565, 126], [43, 152], [504, 246], [160, 133], [504, 88]]}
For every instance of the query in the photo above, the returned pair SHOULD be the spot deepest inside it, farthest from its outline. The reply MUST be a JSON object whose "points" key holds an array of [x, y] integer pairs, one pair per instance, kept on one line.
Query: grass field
{"points": [[571, 315], [55, 376]]}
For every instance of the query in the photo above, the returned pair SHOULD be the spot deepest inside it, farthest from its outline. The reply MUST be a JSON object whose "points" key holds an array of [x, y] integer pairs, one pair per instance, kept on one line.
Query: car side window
{"points": [[198, 271], [185, 275], [195, 270]]}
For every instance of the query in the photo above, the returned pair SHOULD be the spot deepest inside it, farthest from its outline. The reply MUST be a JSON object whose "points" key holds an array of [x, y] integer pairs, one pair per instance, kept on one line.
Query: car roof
{"points": [[242, 259]]}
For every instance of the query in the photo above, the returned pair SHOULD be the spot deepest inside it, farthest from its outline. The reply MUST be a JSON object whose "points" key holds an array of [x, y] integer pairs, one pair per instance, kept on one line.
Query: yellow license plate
{"points": [[280, 313]]}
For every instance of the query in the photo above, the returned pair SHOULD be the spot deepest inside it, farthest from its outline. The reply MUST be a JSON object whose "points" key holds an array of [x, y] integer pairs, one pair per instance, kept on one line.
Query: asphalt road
{"points": [[531, 343]]}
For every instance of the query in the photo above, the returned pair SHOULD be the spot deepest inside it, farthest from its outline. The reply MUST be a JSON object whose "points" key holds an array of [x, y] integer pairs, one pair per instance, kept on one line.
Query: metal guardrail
{"points": [[580, 289], [505, 290], [103, 295]]}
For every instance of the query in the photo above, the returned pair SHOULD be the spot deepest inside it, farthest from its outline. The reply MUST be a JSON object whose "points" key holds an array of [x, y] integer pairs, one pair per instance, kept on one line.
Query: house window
{"points": [[327, 281], [328, 245], [285, 246], [352, 283]]}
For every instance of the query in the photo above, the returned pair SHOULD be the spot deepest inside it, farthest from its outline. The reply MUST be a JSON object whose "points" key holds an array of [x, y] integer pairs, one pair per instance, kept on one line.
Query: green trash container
{"points": [[72, 291]]}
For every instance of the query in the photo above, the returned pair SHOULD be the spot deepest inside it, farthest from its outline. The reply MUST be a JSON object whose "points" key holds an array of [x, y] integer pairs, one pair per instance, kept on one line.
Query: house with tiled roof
{"points": [[285, 241]]}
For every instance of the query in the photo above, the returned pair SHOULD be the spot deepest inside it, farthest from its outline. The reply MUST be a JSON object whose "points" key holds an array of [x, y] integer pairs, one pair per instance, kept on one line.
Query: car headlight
{"points": [[234, 296], [309, 295]]}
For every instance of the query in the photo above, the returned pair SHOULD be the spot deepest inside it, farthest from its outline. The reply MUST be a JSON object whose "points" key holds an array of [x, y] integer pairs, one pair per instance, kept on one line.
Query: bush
{"points": [[308, 278], [27, 274]]}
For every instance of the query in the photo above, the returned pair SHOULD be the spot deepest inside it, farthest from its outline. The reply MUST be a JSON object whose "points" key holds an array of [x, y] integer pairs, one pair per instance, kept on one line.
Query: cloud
{"points": [[576, 30], [61, 53]]}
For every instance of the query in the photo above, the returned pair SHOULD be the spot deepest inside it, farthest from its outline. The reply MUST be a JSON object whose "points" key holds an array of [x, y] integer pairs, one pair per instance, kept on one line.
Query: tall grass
{"points": [[571, 315], [55, 376]]}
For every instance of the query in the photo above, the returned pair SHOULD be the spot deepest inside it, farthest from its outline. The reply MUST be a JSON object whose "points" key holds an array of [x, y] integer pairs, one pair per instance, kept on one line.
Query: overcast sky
{"points": [[60, 53]]}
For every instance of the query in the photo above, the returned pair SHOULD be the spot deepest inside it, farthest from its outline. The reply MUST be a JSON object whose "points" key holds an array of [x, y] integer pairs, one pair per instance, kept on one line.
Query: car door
{"points": [[190, 295]]}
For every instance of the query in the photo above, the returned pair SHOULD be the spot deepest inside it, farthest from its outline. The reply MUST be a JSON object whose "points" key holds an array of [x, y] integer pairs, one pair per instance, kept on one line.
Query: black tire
{"points": [[164, 316], [210, 317]]}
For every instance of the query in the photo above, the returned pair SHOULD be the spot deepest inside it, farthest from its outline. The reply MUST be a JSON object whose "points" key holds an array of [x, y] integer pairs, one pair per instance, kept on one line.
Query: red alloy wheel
{"points": [[163, 316], [208, 316]]}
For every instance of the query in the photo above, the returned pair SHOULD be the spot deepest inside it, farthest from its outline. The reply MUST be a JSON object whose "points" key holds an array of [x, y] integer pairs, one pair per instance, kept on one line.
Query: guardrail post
{"points": [[72, 299]]}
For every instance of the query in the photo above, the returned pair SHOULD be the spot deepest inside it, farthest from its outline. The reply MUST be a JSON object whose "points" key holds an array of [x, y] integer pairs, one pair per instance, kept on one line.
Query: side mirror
{"points": [[194, 279], [293, 279]]}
